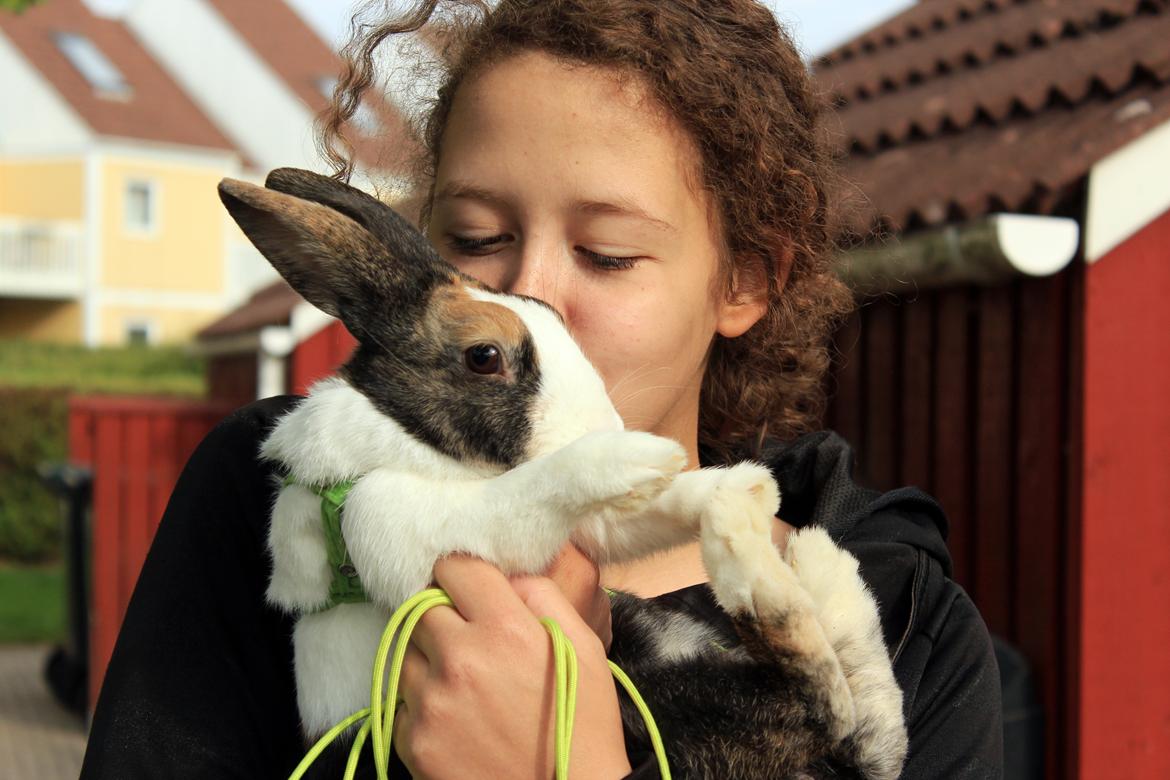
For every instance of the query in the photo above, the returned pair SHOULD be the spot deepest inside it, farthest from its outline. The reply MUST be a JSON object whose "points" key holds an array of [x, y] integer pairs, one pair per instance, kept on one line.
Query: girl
{"points": [[652, 169]]}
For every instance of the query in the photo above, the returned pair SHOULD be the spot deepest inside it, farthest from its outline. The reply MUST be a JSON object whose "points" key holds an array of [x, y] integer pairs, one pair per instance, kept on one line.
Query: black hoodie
{"points": [[200, 683]]}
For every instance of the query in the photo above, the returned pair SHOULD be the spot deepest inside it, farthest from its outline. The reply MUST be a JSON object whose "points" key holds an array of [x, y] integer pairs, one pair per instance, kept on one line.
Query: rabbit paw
{"points": [[830, 576], [848, 614], [741, 507], [752, 490], [623, 470], [736, 532]]}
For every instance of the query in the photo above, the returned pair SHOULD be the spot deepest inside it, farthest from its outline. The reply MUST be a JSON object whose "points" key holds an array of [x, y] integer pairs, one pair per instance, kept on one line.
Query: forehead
{"points": [[536, 123]]}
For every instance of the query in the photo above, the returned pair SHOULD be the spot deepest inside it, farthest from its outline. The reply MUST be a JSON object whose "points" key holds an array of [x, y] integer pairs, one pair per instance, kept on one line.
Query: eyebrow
{"points": [[458, 189], [618, 207], [624, 208]]}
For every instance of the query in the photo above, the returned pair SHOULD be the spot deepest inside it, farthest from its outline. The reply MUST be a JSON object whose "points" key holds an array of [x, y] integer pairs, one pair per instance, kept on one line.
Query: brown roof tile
{"points": [[156, 110], [302, 60], [1029, 166], [957, 108], [1011, 30], [1025, 83], [271, 305]]}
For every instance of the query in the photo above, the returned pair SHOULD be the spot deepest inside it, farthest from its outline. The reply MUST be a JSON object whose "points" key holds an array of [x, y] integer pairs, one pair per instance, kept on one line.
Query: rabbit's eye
{"points": [[483, 359]]}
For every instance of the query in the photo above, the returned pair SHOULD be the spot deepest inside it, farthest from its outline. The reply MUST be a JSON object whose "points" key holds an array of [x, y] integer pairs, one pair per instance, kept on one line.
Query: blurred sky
{"points": [[818, 25]]}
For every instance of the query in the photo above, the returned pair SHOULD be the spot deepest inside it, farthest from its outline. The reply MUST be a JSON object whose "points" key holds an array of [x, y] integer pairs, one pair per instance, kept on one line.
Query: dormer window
{"points": [[364, 119], [105, 78]]}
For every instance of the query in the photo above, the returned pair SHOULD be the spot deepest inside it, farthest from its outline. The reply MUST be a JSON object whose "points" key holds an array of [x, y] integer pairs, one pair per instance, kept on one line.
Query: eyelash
{"points": [[608, 262], [475, 247], [472, 246]]}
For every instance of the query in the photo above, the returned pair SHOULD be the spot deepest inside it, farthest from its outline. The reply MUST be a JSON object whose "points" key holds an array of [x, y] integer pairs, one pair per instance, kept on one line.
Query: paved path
{"points": [[39, 740]]}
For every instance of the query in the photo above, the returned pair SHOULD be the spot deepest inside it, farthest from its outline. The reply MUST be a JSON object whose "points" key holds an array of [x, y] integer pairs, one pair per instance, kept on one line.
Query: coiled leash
{"points": [[378, 719]]}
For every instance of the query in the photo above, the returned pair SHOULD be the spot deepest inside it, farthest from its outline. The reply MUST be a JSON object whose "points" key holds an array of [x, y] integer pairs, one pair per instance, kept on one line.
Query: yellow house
{"points": [[111, 231]]}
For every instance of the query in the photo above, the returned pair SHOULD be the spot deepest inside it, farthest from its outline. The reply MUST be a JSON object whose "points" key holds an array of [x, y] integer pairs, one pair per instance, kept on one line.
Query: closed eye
{"points": [[477, 246], [609, 262]]}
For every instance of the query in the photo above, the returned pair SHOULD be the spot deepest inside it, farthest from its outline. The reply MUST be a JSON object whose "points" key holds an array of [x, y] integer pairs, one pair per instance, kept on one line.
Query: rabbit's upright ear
{"points": [[333, 261], [391, 229]]}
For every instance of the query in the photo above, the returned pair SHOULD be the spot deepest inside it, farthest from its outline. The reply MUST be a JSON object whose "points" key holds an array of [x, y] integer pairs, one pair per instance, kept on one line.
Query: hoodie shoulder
{"points": [[815, 474], [896, 536], [935, 635]]}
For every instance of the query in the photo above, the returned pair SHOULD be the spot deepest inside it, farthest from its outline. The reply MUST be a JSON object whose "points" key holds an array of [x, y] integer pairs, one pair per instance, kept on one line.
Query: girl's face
{"points": [[564, 183]]}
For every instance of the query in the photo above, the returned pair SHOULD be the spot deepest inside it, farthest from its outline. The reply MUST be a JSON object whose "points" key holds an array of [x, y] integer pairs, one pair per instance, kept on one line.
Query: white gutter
{"points": [[985, 252]]}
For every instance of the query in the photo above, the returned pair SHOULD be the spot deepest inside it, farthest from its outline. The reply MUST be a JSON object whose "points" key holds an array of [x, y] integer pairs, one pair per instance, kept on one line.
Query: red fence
{"points": [[136, 448]]}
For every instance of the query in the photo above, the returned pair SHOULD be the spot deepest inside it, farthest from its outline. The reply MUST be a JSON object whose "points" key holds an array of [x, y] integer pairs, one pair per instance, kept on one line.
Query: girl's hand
{"points": [[477, 683], [579, 579]]}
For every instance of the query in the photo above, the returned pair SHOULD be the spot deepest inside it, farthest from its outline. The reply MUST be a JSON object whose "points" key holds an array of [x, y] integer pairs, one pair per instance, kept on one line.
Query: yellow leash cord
{"points": [[644, 711], [379, 716]]}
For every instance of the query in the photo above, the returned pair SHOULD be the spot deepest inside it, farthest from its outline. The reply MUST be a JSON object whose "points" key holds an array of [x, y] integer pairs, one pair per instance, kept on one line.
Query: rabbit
{"points": [[469, 420]]}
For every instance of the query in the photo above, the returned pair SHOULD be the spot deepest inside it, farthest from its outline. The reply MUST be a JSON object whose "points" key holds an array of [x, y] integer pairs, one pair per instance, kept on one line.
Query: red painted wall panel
{"points": [[1125, 632], [231, 378], [136, 448], [319, 356]]}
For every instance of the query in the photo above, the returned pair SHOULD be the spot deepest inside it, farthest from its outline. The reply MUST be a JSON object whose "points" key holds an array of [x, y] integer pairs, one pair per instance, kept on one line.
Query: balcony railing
{"points": [[40, 259]]}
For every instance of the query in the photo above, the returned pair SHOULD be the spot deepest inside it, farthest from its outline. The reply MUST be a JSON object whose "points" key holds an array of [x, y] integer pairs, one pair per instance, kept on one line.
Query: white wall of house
{"points": [[34, 118], [237, 90]]}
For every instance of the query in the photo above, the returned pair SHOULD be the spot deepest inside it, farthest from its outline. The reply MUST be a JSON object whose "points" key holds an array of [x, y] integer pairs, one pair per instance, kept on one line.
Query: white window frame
{"points": [[154, 191]]}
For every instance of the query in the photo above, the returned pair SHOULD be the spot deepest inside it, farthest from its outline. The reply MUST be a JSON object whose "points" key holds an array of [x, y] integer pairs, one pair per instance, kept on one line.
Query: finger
{"points": [[438, 626], [574, 571], [403, 731], [544, 599], [579, 579], [480, 591], [415, 671]]}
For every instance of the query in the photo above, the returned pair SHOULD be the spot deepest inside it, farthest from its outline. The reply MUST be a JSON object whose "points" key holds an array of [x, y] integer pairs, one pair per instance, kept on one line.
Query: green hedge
{"points": [[35, 383], [34, 426], [168, 370]]}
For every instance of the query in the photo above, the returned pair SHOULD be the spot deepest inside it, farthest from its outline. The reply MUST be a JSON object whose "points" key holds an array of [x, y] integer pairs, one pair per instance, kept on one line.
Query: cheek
{"points": [[650, 344]]}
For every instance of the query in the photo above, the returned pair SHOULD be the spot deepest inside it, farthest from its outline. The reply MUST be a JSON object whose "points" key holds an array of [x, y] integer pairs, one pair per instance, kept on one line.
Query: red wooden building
{"points": [[274, 343], [1029, 397]]}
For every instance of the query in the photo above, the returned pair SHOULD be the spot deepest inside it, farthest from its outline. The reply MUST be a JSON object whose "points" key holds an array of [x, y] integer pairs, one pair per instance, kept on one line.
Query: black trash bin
{"points": [[67, 669], [1023, 717]]}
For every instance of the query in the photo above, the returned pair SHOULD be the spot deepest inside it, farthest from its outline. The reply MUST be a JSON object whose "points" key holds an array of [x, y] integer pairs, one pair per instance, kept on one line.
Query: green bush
{"points": [[34, 426], [32, 603], [35, 382], [170, 370]]}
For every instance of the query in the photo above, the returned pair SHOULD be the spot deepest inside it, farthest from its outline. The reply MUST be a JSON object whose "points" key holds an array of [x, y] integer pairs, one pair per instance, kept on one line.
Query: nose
{"points": [[540, 273]]}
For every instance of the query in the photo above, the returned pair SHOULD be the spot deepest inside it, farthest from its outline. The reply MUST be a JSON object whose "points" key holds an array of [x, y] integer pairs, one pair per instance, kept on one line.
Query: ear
{"points": [[403, 240], [747, 301], [324, 255]]}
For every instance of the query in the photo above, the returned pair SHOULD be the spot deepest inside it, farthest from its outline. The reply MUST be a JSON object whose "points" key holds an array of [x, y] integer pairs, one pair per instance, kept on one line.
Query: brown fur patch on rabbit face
{"points": [[474, 322], [419, 376]]}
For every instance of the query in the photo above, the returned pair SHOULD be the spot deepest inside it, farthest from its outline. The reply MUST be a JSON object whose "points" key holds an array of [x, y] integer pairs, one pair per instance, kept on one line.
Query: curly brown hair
{"points": [[730, 76]]}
